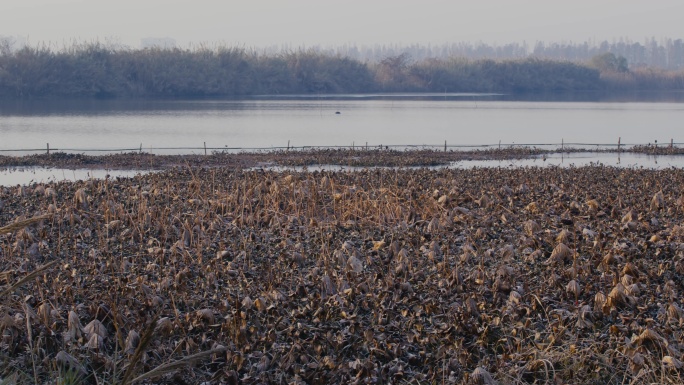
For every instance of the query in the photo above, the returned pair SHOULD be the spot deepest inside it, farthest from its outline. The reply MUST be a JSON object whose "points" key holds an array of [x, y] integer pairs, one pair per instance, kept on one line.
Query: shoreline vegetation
{"points": [[227, 275], [96, 71], [360, 157]]}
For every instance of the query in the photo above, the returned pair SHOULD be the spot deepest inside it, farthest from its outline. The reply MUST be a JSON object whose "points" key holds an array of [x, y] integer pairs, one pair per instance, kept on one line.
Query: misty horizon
{"points": [[665, 53], [308, 23], [268, 46], [169, 41]]}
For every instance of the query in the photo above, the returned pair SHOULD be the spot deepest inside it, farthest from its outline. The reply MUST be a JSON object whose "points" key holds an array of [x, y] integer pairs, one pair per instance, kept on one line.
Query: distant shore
{"points": [[94, 71]]}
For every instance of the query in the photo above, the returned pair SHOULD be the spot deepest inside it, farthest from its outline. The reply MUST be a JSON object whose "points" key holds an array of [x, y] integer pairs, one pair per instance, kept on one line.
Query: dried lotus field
{"points": [[225, 276]]}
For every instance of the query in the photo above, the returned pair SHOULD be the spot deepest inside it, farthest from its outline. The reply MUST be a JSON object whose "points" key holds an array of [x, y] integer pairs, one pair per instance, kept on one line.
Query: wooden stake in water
{"points": [[445, 146], [205, 148], [288, 145], [619, 139], [499, 144], [140, 148], [562, 144], [48, 148]]}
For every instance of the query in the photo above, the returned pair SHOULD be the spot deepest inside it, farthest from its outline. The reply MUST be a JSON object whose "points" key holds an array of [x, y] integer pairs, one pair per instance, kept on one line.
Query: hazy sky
{"points": [[335, 22]]}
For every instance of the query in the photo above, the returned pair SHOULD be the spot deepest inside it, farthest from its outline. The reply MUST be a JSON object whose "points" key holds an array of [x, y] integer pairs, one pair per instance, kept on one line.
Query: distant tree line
{"points": [[666, 53], [98, 71]]}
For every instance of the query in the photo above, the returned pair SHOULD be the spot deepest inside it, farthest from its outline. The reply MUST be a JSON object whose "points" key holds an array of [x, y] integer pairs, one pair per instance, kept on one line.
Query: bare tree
{"points": [[6, 45]]}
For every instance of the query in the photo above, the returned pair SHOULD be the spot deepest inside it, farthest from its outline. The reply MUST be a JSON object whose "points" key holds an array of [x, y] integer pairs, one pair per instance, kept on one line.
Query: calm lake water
{"points": [[460, 119], [13, 176]]}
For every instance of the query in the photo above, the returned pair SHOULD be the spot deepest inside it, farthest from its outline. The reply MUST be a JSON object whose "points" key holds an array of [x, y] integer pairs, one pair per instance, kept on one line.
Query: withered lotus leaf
{"points": [[214, 272]]}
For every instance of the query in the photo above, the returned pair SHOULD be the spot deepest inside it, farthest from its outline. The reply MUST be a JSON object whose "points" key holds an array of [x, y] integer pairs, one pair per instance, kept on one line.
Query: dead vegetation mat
{"points": [[359, 157], [509, 276]]}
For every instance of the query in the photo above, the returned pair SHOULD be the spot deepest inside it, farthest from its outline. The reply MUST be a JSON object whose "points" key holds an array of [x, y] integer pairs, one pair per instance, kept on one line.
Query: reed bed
{"points": [[217, 275]]}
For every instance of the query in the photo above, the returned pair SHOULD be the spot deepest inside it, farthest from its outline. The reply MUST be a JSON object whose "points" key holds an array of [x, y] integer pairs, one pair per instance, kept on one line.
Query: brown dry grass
{"points": [[385, 276]]}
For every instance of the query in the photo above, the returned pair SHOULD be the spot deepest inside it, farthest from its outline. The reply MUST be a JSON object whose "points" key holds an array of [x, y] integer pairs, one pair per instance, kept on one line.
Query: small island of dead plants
{"points": [[341, 156], [354, 157], [226, 276]]}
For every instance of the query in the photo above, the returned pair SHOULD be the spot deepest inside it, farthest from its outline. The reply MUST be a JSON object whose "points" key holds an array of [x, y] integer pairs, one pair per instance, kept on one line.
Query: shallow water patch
{"points": [[580, 159], [12, 176], [575, 159]]}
